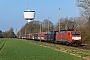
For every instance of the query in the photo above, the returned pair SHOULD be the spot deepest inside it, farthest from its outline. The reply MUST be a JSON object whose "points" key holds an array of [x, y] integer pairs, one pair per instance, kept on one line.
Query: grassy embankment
{"points": [[70, 50]]}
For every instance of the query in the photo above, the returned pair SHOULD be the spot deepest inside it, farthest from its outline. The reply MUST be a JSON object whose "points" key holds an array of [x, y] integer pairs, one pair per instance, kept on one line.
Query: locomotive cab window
{"points": [[75, 33]]}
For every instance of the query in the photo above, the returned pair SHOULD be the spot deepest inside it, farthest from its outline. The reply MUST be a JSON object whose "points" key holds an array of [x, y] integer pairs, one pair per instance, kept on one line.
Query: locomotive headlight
{"points": [[76, 38]]}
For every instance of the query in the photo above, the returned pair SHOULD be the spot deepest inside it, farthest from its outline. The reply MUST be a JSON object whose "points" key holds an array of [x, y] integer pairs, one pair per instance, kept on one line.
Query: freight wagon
{"points": [[51, 37], [42, 36]]}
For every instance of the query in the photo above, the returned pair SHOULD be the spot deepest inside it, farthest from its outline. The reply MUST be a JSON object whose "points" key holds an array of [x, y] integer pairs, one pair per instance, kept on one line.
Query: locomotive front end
{"points": [[76, 38]]}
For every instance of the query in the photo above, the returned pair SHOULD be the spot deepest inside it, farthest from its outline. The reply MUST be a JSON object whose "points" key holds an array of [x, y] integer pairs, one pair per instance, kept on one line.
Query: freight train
{"points": [[68, 37]]}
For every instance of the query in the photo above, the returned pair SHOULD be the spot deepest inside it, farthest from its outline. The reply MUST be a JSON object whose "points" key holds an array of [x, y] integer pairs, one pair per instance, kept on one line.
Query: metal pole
{"points": [[48, 24], [40, 32], [59, 20]]}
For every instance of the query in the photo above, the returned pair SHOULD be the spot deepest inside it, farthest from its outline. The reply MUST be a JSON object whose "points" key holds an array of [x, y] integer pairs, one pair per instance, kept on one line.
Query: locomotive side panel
{"points": [[66, 37]]}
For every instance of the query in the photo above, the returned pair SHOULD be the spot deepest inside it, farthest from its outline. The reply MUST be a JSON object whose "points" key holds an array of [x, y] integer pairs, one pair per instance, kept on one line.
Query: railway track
{"points": [[83, 46], [86, 47]]}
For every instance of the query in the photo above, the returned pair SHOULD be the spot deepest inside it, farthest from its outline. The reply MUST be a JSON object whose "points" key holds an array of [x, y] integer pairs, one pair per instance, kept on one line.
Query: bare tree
{"points": [[65, 24], [47, 25], [85, 5]]}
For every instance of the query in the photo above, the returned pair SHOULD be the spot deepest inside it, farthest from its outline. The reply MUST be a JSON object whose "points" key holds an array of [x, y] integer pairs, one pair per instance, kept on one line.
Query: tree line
{"points": [[46, 25], [7, 34]]}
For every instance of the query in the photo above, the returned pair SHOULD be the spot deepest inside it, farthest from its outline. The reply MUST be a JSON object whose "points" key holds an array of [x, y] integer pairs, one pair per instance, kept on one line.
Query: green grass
{"points": [[15, 49], [2, 43]]}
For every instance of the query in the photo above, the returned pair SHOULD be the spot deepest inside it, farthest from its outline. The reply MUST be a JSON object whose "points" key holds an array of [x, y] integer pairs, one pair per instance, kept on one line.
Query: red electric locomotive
{"points": [[69, 37]]}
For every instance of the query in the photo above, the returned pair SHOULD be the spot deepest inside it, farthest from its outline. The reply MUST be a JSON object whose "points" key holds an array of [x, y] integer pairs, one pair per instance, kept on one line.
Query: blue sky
{"points": [[11, 11]]}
